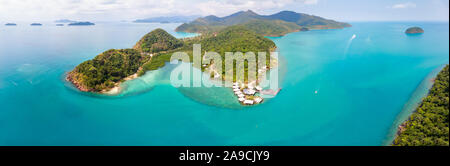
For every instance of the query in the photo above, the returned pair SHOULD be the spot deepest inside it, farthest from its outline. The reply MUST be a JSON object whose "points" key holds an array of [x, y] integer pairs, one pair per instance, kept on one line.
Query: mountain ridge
{"points": [[268, 23]]}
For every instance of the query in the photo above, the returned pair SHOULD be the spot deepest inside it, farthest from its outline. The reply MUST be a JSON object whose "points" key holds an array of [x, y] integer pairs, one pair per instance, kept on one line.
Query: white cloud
{"points": [[27, 10], [403, 5], [310, 2]]}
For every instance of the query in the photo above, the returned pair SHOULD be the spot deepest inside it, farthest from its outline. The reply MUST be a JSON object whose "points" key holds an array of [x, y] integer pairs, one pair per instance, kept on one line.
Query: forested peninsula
{"points": [[428, 125]]}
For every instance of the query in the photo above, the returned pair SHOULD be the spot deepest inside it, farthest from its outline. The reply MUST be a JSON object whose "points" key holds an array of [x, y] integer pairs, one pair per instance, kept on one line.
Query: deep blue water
{"points": [[363, 85]]}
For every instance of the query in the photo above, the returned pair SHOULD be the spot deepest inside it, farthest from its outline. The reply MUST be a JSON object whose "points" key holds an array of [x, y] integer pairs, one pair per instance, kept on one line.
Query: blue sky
{"points": [[115, 10]]}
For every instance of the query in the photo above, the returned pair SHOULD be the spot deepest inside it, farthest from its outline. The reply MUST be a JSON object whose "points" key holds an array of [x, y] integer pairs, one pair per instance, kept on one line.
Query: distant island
{"points": [[277, 24], [171, 19], [10, 24], [59, 24], [64, 21], [81, 24], [36, 24], [428, 125], [414, 30]]}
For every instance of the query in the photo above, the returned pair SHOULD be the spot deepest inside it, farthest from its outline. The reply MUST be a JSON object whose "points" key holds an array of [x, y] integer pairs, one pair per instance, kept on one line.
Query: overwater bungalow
{"points": [[248, 102], [249, 91]]}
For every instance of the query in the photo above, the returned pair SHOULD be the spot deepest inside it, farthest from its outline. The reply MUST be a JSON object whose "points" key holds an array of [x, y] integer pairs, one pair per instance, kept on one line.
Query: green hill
{"points": [[106, 69], [271, 25], [156, 41], [308, 21], [233, 39]]}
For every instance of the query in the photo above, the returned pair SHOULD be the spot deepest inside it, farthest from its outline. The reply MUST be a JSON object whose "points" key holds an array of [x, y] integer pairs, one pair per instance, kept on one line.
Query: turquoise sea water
{"points": [[364, 76]]}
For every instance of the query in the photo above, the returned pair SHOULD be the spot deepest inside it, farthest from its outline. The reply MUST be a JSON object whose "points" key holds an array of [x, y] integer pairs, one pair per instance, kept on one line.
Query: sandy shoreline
{"points": [[117, 89]]}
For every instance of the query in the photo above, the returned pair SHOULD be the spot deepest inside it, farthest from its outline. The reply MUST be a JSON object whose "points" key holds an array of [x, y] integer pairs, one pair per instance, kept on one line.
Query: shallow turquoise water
{"points": [[362, 84]]}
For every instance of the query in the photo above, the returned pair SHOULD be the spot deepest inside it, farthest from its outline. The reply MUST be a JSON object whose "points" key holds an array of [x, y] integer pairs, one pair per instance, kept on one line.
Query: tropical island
{"points": [[81, 24], [10, 24], [428, 125], [36, 24], [414, 30], [105, 72]]}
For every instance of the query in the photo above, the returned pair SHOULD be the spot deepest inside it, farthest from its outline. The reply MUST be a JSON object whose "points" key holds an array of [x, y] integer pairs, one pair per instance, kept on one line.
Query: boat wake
{"points": [[348, 45]]}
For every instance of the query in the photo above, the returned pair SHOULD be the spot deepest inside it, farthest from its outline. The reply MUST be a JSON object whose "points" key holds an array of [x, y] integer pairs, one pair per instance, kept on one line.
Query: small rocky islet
{"points": [[414, 30]]}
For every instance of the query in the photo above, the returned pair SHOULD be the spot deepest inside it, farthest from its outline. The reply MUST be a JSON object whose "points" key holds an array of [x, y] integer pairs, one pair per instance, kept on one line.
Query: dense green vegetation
{"points": [[156, 41], [156, 62], [428, 126], [230, 39], [272, 25], [155, 49], [234, 39], [308, 21], [106, 69]]}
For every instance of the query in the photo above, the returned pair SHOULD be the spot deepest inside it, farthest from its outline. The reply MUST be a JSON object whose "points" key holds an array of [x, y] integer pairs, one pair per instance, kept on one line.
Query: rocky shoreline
{"points": [[77, 84], [114, 90]]}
